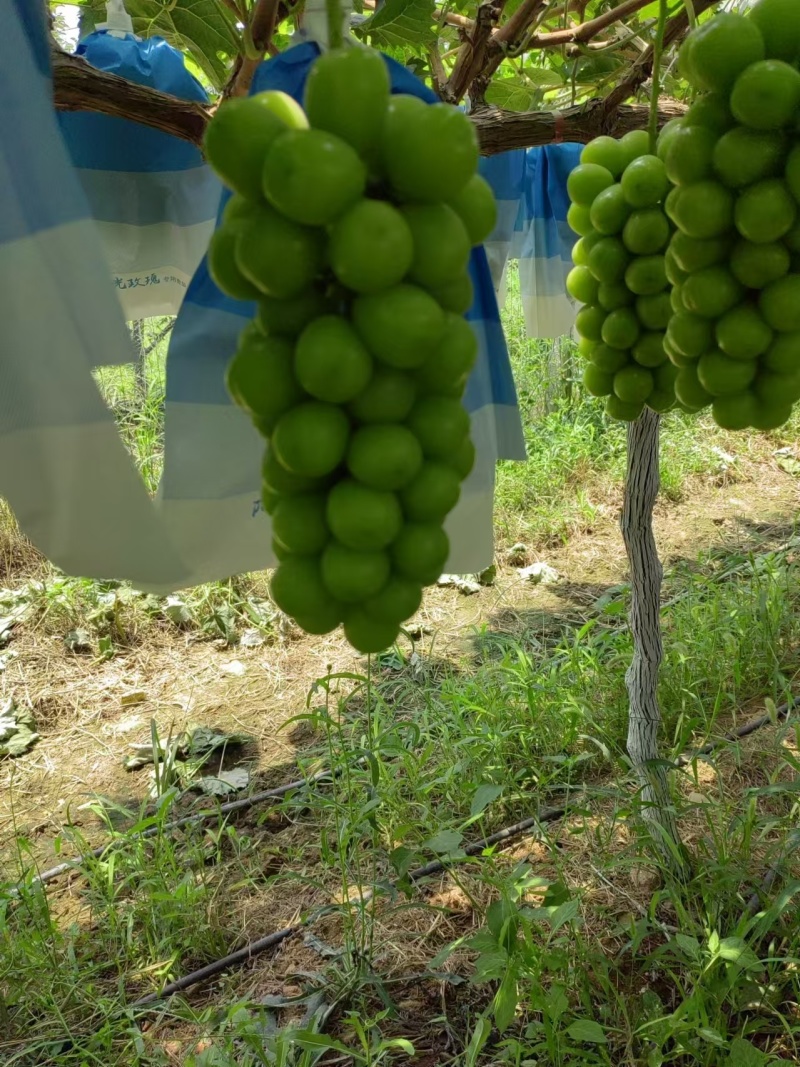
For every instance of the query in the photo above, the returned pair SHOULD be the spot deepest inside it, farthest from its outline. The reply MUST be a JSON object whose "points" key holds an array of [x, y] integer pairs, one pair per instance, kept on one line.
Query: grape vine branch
{"points": [[259, 33], [485, 43], [80, 87], [674, 30]]}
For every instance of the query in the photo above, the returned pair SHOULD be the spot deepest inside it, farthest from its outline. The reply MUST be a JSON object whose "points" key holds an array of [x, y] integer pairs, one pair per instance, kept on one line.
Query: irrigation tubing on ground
{"points": [[270, 794], [263, 944], [755, 901], [737, 735], [176, 824]]}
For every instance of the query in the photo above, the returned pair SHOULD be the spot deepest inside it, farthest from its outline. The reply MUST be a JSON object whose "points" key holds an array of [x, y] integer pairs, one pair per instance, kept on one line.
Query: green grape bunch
{"points": [[713, 264], [351, 224], [618, 193], [734, 162]]}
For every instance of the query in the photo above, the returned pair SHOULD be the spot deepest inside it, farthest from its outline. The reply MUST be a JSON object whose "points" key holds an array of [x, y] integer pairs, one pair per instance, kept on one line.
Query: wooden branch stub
{"points": [[471, 56], [438, 72], [506, 41], [262, 26], [526, 14]]}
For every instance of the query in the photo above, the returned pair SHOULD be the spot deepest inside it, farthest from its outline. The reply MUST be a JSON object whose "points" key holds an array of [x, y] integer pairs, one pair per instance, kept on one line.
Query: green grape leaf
{"points": [[649, 12], [511, 94], [401, 22], [544, 77], [88, 21]]}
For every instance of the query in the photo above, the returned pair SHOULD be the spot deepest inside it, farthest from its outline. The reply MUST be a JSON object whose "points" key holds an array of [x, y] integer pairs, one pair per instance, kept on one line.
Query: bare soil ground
{"points": [[89, 712], [436, 1013]]}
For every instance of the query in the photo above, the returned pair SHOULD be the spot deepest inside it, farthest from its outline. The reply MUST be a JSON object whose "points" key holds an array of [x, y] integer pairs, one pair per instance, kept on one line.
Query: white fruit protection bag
{"points": [[153, 197], [531, 190], [63, 467]]}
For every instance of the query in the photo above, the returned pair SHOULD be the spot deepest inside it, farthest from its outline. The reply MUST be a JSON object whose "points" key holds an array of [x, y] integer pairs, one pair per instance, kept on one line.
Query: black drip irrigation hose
{"points": [[748, 728], [271, 794], [177, 824], [254, 948], [263, 944]]}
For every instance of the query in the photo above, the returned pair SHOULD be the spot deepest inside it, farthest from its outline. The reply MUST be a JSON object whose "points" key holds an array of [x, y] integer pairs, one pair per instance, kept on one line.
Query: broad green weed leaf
{"points": [[445, 841], [587, 1030], [484, 795], [736, 950], [505, 1001], [743, 1054]]}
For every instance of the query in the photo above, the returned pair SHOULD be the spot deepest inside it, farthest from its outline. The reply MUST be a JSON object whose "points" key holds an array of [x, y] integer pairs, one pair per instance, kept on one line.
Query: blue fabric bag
{"points": [[211, 481], [531, 186], [152, 195], [506, 172], [63, 468]]}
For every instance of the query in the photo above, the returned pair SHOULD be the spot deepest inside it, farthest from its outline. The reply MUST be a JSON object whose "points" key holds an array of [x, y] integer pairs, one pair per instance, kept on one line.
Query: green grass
{"points": [[454, 751], [150, 911], [135, 394], [576, 453], [556, 968], [532, 711]]}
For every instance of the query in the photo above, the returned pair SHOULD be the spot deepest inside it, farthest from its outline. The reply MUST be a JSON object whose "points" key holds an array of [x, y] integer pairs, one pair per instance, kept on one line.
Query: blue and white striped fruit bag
{"points": [[63, 467], [152, 195], [531, 187], [211, 488], [505, 173]]}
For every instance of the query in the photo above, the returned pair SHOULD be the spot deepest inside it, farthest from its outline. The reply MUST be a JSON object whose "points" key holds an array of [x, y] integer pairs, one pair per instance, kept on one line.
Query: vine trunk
{"points": [[641, 490]]}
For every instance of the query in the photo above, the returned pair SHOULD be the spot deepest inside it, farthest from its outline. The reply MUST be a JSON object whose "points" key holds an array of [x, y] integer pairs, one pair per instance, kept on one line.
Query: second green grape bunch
{"points": [[618, 193]]}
